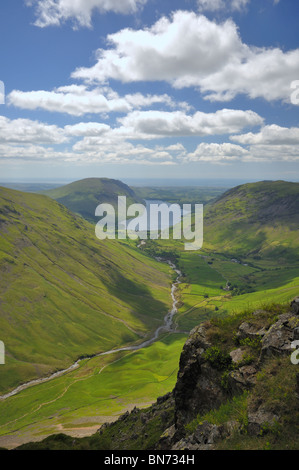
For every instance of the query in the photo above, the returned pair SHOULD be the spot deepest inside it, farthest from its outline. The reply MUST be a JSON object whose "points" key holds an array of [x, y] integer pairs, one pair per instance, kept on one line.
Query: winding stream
{"points": [[167, 326]]}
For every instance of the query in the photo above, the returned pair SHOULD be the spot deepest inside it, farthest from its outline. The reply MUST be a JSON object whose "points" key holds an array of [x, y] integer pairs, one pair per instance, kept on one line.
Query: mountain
{"points": [[83, 197], [64, 293], [237, 389], [255, 220]]}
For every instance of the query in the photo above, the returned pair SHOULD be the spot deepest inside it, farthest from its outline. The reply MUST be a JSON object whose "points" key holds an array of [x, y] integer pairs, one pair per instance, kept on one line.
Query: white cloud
{"points": [[83, 129], [91, 150], [26, 140], [269, 153], [216, 153], [93, 142], [178, 123], [214, 5], [270, 135], [265, 73], [55, 12], [189, 50], [186, 45], [33, 152], [272, 143], [77, 100], [112, 150], [29, 132]]}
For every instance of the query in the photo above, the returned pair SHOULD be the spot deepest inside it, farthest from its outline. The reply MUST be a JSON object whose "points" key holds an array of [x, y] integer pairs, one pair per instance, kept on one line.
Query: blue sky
{"points": [[149, 89]]}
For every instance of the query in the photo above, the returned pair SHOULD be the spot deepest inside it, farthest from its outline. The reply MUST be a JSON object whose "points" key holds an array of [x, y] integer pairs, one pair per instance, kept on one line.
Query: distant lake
{"points": [[163, 222]]}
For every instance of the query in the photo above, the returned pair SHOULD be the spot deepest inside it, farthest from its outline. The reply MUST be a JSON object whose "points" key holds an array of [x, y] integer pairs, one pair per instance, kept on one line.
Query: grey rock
{"points": [[279, 338], [203, 393], [167, 438], [248, 330], [295, 306], [242, 379], [259, 420], [198, 388], [237, 355], [207, 433]]}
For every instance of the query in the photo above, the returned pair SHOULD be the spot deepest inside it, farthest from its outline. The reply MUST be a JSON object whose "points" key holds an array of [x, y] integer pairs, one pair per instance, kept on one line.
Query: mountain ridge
{"points": [[255, 219], [83, 196]]}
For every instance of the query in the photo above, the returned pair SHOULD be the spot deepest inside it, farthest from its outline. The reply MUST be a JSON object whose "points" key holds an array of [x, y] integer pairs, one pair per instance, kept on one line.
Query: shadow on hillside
{"points": [[139, 297]]}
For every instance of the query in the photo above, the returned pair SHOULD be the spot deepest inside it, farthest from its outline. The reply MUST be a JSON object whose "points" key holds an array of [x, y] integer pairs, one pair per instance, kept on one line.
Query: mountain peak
{"points": [[83, 197]]}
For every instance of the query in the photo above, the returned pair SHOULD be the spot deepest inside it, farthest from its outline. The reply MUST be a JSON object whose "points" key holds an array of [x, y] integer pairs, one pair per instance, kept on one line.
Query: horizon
{"points": [[225, 183]]}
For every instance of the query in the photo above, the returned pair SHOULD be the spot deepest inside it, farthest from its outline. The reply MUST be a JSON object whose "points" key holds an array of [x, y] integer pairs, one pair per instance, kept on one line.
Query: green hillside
{"points": [[250, 254], [255, 220], [65, 294], [83, 197]]}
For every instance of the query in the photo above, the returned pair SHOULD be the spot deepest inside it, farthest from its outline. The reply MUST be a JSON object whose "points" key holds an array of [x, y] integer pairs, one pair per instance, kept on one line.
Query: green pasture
{"points": [[102, 387]]}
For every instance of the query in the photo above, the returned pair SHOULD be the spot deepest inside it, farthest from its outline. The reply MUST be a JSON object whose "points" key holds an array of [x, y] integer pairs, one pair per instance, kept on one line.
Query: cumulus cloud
{"points": [[217, 153], [185, 45], [272, 143], [77, 100], [99, 142], [56, 12], [91, 150], [272, 153], [87, 142], [84, 129], [272, 134], [93, 142], [189, 50], [214, 5], [178, 123], [226, 153], [31, 152], [109, 150], [27, 131]]}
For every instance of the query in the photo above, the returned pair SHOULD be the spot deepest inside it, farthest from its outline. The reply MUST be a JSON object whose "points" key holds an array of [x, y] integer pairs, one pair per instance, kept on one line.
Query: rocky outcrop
{"points": [[205, 436], [279, 338], [259, 420], [201, 387], [251, 331], [211, 374], [198, 385]]}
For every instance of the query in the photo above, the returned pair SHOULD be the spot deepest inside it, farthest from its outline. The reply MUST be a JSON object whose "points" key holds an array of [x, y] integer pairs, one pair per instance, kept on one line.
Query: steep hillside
{"points": [[83, 197], [65, 294], [258, 219], [237, 389]]}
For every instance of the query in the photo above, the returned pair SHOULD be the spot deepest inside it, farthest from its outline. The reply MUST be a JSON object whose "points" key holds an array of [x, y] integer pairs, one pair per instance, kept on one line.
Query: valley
{"points": [[122, 281]]}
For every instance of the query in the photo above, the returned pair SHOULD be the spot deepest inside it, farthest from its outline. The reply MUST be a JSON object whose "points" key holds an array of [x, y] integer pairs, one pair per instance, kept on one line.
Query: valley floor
{"points": [[103, 388]]}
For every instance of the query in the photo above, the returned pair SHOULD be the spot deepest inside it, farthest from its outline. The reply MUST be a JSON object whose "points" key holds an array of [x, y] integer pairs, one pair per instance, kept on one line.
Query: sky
{"points": [[191, 89]]}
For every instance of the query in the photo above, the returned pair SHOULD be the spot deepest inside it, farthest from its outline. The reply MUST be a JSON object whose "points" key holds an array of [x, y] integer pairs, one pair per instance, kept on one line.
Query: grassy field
{"points": [[203, 296], [99, 391]]}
